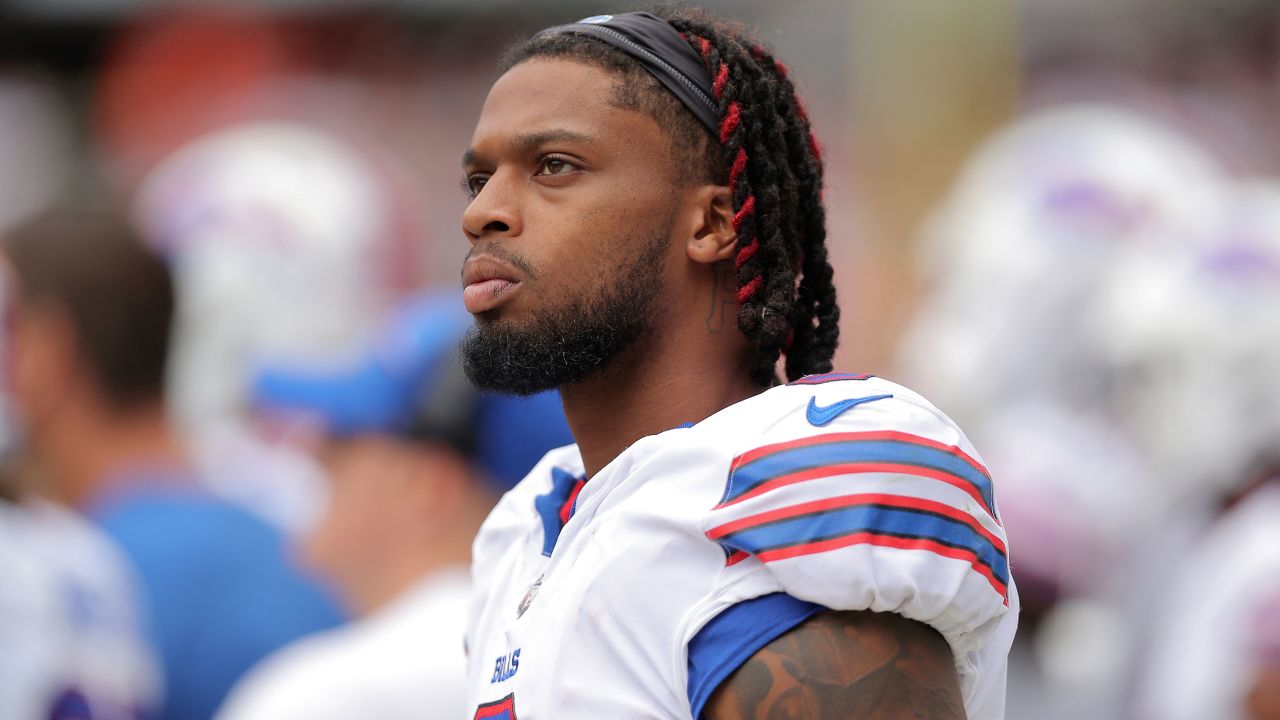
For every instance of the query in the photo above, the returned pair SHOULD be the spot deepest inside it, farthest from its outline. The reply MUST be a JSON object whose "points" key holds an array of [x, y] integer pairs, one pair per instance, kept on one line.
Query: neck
{"points": [[397, 577], [88, 452], [437, 545], [683, 377]]}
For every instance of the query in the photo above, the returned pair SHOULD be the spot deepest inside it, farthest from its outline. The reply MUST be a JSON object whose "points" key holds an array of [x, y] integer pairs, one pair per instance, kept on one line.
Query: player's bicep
{"points": [[845, 665]]}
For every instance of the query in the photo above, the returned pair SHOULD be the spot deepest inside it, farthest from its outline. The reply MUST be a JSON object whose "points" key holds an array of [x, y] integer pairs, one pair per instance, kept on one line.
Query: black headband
{"points": [[661, 51]]}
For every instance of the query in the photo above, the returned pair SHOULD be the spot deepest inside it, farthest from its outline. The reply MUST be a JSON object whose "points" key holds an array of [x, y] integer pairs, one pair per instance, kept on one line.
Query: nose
{"points": [[494, 210]]}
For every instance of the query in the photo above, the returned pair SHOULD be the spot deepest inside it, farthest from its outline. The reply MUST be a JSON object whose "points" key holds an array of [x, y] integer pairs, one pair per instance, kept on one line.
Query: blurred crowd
{"points": [[1103, 317], [240, 467]]}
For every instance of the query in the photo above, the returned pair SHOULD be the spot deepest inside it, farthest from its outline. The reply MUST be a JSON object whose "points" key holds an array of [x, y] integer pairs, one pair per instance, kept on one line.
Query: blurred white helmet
{"points": [[1194, 339], [282, 238], [1017, 255], [278, 234]]}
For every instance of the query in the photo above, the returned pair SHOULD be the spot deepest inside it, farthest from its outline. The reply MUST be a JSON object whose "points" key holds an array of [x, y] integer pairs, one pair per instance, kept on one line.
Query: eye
{"points": [[555, 165], [473, 184]]}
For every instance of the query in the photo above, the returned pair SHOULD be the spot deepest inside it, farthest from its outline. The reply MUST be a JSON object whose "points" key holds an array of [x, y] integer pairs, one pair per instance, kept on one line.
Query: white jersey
{"points": [[404, 662], [636, 594], [1221, 624], [71, 644]]}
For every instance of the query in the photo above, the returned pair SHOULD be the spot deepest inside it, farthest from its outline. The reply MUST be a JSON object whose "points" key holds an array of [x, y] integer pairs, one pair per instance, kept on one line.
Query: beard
{"points": [[573, 341]]}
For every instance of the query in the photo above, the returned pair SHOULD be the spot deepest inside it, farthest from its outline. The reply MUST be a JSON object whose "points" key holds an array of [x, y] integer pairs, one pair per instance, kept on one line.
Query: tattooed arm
{"points": [[856, 665]]}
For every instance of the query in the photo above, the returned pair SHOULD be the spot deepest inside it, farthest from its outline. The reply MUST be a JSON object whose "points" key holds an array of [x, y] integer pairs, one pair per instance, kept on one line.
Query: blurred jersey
{"points": [[72, 643], [221, 589], [637, 593], [393, 665], [1220, 629]]}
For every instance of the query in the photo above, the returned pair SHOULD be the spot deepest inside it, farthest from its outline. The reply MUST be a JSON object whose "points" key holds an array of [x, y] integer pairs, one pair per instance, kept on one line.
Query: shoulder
{"points": [[842, 422], [78, 545], [180, 516], [858, 494], [168, 526], [852, 493], [68, 592], [817, 404], [391, 664], [341, 673], [200, 556], [286, 683]]}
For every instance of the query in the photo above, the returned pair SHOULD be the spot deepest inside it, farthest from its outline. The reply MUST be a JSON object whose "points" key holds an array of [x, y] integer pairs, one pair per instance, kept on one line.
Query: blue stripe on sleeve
{"points": [[805, 457], [733, 636], [879, 519]]}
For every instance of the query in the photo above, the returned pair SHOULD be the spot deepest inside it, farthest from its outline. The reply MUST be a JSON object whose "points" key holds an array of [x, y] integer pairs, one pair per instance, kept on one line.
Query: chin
{"points": [[499, 317]]}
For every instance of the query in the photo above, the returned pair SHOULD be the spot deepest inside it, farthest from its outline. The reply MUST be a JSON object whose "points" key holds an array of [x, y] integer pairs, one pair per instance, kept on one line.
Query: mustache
{"points": [[505, 254]]}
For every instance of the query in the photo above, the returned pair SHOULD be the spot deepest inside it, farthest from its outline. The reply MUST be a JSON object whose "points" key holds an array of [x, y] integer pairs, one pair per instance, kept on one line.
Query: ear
{"points": [[713, 237]]}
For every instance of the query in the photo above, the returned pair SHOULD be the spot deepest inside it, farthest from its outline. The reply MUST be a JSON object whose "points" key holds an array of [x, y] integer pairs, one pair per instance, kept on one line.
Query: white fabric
{"points": [[69, 619], [634, 575], [405, 662], [1204, 652]]}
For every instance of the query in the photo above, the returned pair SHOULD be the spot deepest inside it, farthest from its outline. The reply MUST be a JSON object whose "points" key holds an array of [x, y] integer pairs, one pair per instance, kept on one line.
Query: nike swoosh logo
{"points": [[819, 416]]}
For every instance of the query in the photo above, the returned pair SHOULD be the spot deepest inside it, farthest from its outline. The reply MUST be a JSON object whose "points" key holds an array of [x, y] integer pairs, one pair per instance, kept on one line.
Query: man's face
{"points": [[570, 226]]}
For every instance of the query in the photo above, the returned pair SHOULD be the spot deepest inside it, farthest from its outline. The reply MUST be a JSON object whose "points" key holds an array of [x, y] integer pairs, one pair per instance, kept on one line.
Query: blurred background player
{"points": [[416, 459], [72, 636], [254, 218], [1101, 310], [92, 328]]}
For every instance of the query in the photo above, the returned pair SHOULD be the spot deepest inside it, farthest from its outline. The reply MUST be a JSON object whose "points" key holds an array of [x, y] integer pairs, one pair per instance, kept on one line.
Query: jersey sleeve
{"points": [[865, 497]]}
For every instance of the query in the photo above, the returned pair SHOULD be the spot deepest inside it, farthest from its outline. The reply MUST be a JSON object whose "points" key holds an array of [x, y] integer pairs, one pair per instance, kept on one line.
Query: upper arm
{"points": [[845, 665]]}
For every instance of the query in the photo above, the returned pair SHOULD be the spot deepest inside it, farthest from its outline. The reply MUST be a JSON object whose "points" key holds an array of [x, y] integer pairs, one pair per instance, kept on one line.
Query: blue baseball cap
{"points": [[410, 384]]}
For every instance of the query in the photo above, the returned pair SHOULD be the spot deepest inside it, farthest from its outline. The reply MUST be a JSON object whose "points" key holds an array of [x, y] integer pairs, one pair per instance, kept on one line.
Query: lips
{"points": [[487, 283]]}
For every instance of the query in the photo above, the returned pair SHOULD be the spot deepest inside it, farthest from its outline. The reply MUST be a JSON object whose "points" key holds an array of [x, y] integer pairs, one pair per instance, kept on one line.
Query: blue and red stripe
{"points": [[868, 519], [556, 507], [758, 471], [571, 502], [504, 709]]}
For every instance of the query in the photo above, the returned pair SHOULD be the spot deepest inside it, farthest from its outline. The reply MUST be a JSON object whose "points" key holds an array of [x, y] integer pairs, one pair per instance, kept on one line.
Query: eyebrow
{"points": [[529, 141]]}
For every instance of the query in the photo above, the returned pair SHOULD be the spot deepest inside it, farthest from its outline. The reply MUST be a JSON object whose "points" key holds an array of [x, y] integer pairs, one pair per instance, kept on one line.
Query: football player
{"points": [[72, 637], [91, 329], [416, 459], [647, 235]]}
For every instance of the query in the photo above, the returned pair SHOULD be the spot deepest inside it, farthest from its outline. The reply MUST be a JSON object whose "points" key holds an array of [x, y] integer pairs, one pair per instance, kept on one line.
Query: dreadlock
{"points": [[766, 153]]}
